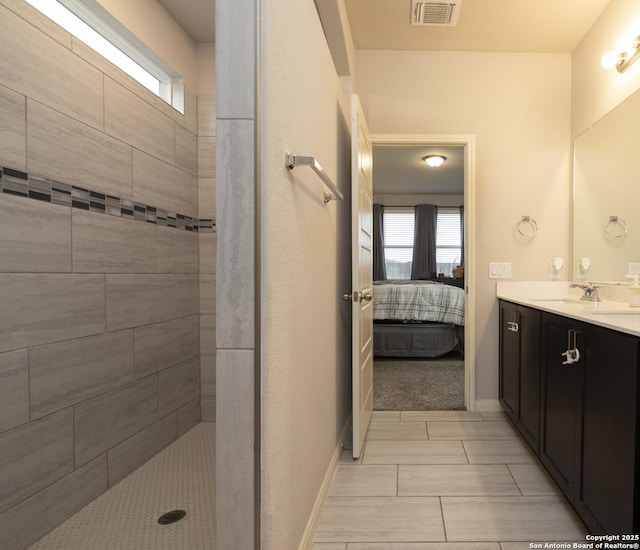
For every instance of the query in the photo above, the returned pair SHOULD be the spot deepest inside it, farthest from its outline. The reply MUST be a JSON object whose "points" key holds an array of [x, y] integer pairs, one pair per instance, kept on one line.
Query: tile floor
{"points": [[181, 476], [449, 480], [426, 481]]}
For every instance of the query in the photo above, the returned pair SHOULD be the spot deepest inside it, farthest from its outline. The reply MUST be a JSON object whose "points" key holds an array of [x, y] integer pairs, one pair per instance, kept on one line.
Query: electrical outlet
{"points": [[555, 267], [499, 270]]}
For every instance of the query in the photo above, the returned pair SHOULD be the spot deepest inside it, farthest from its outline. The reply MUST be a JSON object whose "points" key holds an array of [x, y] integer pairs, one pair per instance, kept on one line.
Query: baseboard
{"points": [[488, 405], [316, 513]]}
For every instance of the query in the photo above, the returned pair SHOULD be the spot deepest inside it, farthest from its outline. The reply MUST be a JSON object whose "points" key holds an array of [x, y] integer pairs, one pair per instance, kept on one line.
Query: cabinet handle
{"points": [[572, 356], [513, 326]]}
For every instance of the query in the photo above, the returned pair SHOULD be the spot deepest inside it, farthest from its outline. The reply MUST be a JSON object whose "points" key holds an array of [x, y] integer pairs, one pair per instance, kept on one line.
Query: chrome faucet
{"points": [[590, 292]]}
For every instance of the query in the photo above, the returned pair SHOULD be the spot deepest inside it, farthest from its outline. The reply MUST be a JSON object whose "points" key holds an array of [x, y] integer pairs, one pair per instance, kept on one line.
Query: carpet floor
{"points": [[419, 384]]}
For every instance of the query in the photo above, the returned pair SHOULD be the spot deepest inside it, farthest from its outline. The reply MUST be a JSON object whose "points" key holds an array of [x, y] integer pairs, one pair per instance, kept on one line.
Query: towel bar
{"points": [[297, 160]]}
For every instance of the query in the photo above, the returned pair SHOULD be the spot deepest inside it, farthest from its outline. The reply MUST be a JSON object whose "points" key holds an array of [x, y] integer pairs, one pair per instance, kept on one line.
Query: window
{"points": [[97, 28], [398, 228], [448, 240]]}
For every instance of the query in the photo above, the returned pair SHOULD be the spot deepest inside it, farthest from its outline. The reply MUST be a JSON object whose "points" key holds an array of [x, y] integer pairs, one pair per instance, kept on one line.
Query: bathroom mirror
{"points": [[606, 197]]}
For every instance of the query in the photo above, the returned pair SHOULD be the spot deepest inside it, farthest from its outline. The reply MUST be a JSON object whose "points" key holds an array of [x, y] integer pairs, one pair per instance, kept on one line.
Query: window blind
{"points": [[448, 241], [398, 226]]}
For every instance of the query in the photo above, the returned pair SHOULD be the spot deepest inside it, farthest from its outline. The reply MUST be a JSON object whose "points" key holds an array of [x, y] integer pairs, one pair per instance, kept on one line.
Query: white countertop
{"points": [[558, 298]]}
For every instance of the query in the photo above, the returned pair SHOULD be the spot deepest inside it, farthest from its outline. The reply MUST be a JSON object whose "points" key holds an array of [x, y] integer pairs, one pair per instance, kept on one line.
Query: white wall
{"points": [[306, 267], [205, 59], [518, 107], [595, 90]]}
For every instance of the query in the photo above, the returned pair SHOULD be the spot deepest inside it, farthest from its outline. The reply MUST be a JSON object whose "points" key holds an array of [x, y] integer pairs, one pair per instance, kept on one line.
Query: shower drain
{"points": [[171, 517]]}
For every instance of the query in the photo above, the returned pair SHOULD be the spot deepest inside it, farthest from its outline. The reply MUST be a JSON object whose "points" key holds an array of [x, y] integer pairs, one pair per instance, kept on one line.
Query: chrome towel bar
{"points": [[297, 160]]}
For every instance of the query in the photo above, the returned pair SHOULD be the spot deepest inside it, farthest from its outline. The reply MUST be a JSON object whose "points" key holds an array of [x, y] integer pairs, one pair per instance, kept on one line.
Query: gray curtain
{"points": [[424, 242], [462, 236], [379, 273]]}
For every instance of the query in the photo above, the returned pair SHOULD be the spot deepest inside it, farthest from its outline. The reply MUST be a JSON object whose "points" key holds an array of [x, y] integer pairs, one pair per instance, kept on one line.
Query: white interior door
{"points": [[362, 277]]}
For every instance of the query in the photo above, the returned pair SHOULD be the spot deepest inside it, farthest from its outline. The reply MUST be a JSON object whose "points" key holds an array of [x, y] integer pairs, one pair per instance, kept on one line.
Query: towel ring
{"points": [[611, 223], [527, 228]]}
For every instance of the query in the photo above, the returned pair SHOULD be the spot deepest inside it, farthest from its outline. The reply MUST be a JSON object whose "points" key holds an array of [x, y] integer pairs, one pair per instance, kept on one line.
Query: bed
{"points": [[417, 318]]}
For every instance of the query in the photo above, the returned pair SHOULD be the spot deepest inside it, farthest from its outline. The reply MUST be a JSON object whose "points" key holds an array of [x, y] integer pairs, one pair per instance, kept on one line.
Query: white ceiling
{"points": [[551, 26], [399, 169], [196, 17]]}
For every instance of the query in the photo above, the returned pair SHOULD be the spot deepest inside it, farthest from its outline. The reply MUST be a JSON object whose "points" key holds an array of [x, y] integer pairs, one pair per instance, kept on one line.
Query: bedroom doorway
{"points": [[424, 356]]}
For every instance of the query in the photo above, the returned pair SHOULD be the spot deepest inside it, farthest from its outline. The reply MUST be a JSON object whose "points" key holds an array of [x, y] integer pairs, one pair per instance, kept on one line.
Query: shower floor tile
{"points": [[181, 476]]}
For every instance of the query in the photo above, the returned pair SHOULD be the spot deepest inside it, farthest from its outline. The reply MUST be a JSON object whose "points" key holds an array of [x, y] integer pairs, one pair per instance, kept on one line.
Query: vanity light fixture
{"points": [[434, 160], [627, 50]]}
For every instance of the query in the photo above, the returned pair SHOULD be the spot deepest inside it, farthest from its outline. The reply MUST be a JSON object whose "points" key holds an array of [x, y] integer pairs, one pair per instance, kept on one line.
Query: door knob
{"points": [[366, 297], [347, 297]]}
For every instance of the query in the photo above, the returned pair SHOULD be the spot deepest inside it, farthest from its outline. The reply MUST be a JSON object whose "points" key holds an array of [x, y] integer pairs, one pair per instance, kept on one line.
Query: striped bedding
{"points": [[418, 301]]}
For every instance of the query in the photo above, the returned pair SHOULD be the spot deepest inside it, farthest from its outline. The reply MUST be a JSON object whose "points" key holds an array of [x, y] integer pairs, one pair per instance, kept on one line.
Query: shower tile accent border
{"points": [[33, 186]]}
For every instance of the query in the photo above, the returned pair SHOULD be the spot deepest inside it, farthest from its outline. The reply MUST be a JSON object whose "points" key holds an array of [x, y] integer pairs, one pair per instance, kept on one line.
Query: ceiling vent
{"points": [[441, 14]]}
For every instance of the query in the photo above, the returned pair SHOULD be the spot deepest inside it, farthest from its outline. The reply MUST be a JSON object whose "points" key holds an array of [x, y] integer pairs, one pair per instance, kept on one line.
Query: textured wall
{"points": [[306, 267], [99, 325]]}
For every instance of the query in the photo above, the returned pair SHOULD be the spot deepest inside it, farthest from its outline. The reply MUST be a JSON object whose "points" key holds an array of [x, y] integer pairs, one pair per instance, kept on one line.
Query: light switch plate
{"points": [[499, 270]]}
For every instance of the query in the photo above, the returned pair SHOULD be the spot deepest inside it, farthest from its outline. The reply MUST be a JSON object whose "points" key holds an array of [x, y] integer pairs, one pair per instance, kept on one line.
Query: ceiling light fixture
{"points": [[627, 50], [434, 160]]}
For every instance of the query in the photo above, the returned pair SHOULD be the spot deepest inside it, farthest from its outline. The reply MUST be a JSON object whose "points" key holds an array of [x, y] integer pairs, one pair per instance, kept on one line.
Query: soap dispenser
{"points": [[634, 301]]}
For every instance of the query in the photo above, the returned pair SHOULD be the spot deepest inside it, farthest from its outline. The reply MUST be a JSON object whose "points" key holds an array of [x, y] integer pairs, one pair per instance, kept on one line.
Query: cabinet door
{"points": [[509, 360], [607, 487], [561, 403], [529, 411]]}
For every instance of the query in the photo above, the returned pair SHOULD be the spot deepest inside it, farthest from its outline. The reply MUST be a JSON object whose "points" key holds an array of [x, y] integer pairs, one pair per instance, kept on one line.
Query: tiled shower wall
{"points": [[99, 309], [207, 240], [237, 448]]}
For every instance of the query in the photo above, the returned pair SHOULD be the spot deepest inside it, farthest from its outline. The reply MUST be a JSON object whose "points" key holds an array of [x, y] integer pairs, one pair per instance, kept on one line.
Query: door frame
{"points": [[469, 144]]}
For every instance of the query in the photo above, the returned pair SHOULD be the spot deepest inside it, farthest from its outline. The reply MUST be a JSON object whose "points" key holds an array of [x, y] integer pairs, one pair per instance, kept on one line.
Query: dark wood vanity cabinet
{"points": [[607, 485], [520, 368], [561, 402], [589, 421], [588, 411]]}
